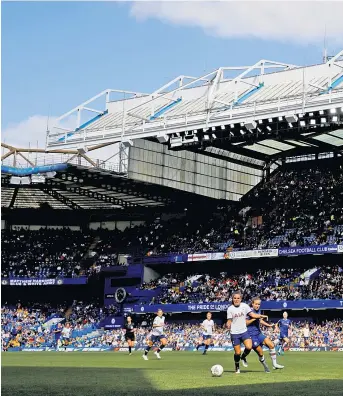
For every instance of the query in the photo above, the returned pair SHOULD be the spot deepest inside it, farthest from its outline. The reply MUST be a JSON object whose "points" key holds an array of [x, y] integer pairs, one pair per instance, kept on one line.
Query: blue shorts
{"points": [[237, 339], [206, 337], [157, 338], [283, 335], [257, 339]]}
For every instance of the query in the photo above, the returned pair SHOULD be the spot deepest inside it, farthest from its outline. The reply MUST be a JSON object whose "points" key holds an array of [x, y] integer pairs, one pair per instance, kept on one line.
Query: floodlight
{"points": [[291, 118], [163, 138], [251, 125]]}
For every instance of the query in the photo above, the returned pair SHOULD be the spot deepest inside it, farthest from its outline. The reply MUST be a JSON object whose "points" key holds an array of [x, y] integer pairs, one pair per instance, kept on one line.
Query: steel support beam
{"points": [[65, 200]]}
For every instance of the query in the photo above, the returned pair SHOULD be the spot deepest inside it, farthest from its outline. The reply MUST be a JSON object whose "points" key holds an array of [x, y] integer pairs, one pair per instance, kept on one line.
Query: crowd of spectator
{"points": [[278, 284], [296, 207], [35, 326], [45, 253], [31, 333]]}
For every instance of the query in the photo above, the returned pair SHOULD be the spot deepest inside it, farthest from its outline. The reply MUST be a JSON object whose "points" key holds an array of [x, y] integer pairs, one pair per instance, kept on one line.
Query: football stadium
{"points": [[204, 257]]}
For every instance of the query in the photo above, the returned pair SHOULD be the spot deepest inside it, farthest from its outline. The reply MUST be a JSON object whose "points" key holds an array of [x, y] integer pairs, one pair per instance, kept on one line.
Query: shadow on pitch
{"points": [[70, 381]]}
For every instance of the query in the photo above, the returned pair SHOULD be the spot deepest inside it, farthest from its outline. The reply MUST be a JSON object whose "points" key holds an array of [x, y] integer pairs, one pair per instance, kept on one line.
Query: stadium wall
{"points": [[187, 171]]}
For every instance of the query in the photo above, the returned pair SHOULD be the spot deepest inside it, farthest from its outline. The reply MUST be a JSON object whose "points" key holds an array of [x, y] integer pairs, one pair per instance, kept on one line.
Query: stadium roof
{"points": [[81, 187], [206, 107]]}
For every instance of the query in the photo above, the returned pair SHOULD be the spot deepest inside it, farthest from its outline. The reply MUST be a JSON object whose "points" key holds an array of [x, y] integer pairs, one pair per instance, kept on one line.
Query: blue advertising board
{"points": [[300, 250], [23, 281], [222, 306]]}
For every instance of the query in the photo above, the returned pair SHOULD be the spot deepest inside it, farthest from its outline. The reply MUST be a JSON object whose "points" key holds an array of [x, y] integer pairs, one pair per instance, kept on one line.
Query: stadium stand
{"points": [[297, 207], [277, 284], [218, 165], [46, 253], [30, 328]]}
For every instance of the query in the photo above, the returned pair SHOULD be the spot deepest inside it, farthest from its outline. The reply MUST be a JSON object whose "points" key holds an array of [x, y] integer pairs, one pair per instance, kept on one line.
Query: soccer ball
{"points": [[217, 370]]}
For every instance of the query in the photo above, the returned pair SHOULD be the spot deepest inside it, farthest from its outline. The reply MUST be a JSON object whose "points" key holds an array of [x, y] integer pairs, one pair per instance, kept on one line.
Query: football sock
{"points": [[236, 358], [245, 353], [206, 347], [147, 349], [160, 348], [129, 349], [272, 354]]}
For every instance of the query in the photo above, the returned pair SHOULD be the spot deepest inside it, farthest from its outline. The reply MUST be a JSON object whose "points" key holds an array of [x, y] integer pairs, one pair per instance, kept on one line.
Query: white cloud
{"points": [[301, 22], [29, 131]]}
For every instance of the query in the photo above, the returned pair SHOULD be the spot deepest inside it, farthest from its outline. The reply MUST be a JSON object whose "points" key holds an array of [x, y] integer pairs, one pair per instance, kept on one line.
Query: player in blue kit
{"points": [[258, 338], [284, 325]]}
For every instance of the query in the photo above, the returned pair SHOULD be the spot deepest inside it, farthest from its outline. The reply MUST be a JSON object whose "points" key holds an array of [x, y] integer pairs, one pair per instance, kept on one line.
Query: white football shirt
{"points": [[158, 330], [66, 332], [238, 317], [208, 326], [306, 332]]}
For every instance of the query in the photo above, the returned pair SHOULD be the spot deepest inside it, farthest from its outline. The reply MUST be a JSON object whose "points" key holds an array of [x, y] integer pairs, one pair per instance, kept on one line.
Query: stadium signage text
{"points": [[245, 254], [82, 280], [222, 306], [240, 254], [299, 250]]}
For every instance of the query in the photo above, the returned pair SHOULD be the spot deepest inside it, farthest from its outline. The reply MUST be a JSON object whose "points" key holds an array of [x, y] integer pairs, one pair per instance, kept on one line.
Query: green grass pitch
{"points": [[177, 373]]}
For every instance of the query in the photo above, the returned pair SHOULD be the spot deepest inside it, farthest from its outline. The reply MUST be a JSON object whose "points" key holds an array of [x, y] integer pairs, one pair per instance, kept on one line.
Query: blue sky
{"points": [[56, 55]]}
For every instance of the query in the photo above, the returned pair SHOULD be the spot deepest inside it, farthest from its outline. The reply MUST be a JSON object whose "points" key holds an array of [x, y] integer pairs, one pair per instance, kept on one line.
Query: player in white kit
{"points": [[306, 333], [157, 335], [236, 323], [208, 328]]}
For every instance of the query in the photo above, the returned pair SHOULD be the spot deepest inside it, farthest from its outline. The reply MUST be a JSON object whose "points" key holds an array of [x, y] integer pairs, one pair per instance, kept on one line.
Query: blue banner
{"points": [[82, 280], [170, 258], [112, 322], [222, 306], [300, 250]]}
